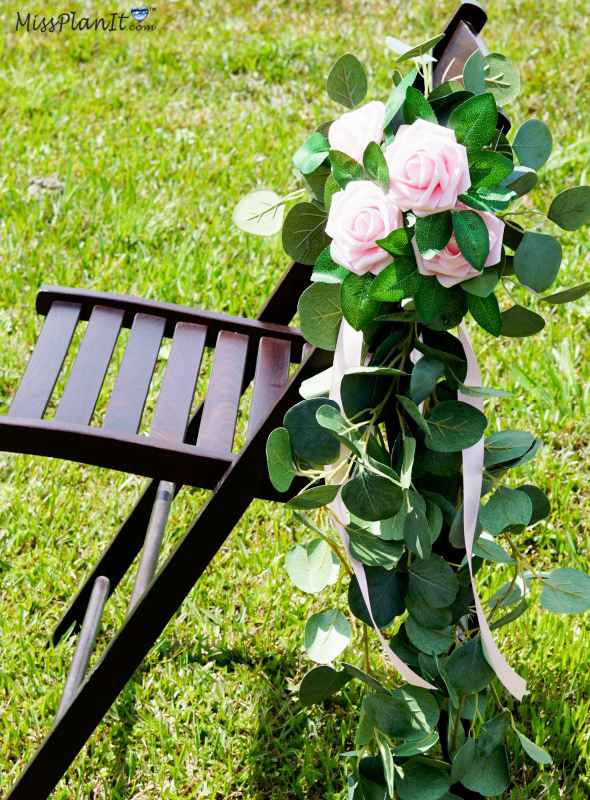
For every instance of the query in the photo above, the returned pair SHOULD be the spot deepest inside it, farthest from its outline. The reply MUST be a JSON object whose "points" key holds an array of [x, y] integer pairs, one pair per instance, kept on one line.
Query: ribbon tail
{"points": [[472, 483], [348, 354]]}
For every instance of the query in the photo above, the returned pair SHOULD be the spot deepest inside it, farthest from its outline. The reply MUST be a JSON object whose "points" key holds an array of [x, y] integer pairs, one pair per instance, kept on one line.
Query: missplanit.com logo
{"points": [[68, 20]]}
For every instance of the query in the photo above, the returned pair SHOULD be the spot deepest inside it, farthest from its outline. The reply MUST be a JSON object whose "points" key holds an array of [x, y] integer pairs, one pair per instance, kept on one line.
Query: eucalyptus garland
{"points": [[414, 220]]}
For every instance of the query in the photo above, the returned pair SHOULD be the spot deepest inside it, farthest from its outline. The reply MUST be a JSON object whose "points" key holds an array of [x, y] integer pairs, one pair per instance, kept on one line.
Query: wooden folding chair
{"points": [[177, 451]]}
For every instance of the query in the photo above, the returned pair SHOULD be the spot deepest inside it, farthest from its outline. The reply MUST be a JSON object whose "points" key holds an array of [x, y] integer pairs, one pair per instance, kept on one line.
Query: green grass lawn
{"points": [[155, 136]]}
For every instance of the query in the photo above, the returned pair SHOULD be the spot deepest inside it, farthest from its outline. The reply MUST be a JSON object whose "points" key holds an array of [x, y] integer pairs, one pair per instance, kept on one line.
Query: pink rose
{"points": [[354, 130], [449, 266], [428, 170], [359, 216]]}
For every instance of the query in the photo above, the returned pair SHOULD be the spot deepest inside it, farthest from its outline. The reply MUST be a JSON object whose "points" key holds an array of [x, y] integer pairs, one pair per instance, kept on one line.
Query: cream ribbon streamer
{"points": [[472, 482], [348, 354]]}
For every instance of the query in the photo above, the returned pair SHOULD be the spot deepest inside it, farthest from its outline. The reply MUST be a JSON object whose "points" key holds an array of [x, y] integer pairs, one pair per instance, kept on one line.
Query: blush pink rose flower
{"points": [[450, 266], [428, 169], [354, 130], [359, 216]]}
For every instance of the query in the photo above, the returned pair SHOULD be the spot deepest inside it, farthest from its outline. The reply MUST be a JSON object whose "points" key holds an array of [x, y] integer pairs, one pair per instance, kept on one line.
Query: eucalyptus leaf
{"points": [[505, 509], [347, 81], [567, 295], [533, 750], [566, 591], [502, 78], [521, 180], [386, 595], [320, 314], [260, 212], [281, 468], [417, 533], [309, 440], [304, 233], [488, 773], [421, 779], [482, 285], [321, 683], [327, 634], [414, 412], [539, 500], [533, 143], [372, 550], [429, 640], [454, 426], [410, 713], [420, 49], [433, 582], [316, 497], [571, 208], [311, 566], [537, 260], [371, 497], [468, 669], [425, 375], [518, 321], [474, 78]]}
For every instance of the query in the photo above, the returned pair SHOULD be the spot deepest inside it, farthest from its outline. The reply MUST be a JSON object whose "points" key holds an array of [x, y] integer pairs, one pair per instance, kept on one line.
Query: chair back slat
{"points": [[220, 410], [178, 387], [135, 374], [464, 42], [90, 367], [271, 377], [46, 361]]}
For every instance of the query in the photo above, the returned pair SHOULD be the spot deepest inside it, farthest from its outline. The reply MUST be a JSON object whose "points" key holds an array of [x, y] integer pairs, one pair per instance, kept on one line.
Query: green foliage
{"points": [[371, 497], [506, 509], [533, 143], [320, 683], [345, 169], [416, 106], [408, 713], [432, 581], [469, 672], [488, 168], [472, 237], [430, 299], [309, 440], [537, 260], [398, 280], [386, 595], [260, 212], [281, 468], [518, 321], [571, 208], [397, 97], [566, 591], [433, 233], [326, 270], [420, 49], [304, 233], [311, 154], [376, 166], [454, 426], [312, 567], [347, 81], [502, 78], [485, 310], [316, 497], [327, 634], [358, 307], [532, 750], [474, 78], [474, 121], [320, 314]]}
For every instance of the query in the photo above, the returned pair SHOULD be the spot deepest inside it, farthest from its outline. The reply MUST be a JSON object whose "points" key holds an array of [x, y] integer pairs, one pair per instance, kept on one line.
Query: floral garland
{"points": [[407, 226]]}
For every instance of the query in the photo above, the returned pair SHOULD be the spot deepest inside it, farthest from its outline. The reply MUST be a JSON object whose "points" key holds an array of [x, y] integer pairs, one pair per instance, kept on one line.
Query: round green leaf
{"points": [[386, 594], [519, 321], [502, 79], [327, 634], [427, 616], [281, 468], [309, 440], [433, 582], [311, 566], [371, 497], [537, 260], [316, 497], [373, 550], [410, 713], [473, 73], [482, 285], [454, 426], [347, 81], [521, 180], [320, 314], [321, 683], [260, 212], [506, 446], [468, 669], [571, 208], [488, 773], [533, 143], [425, 375], [472, 237], [505, 509], [431, 641], [304, 233], [421, 779], [533, 751], [539, 500], [566, 591]]}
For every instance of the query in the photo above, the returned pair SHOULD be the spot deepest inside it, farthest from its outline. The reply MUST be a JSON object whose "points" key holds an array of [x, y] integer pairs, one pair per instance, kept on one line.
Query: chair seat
{"points": [[196, 452]]}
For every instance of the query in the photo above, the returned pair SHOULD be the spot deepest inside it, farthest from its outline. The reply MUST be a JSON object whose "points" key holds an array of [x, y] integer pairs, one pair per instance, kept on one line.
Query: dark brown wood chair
{"points": [[176, 451]]}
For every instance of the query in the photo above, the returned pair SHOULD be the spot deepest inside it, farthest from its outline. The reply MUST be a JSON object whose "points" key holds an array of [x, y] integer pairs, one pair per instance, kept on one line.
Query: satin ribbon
{"points": [[472, 482], [347, 355]]}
